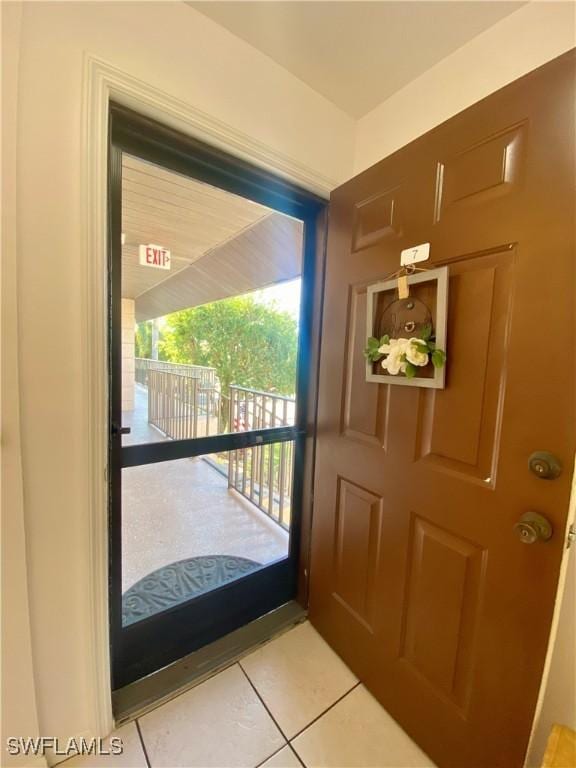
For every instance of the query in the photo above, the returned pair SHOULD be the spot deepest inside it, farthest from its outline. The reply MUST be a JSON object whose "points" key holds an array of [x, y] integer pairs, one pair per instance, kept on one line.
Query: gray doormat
{"points": [[178, 582]]}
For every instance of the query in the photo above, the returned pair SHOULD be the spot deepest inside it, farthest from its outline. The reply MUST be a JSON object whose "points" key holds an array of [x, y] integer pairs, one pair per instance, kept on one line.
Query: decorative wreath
{"points": [[405, 356]]}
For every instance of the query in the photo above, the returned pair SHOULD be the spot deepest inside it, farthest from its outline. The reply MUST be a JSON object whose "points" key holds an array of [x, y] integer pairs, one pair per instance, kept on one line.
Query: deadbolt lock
{"points": [[533, 527], [545, 465]]}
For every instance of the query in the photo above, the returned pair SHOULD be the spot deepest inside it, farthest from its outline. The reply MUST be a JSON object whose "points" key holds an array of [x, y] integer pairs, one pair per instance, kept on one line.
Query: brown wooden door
{"points": [[418, 578]]}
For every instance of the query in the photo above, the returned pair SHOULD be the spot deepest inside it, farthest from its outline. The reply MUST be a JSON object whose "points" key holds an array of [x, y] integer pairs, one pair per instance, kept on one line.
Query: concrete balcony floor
{"points": [[181, 509]]}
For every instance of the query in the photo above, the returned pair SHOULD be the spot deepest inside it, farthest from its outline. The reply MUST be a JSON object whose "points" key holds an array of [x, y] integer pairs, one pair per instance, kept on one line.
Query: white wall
{"points": [[181, 52], [521, 42], [559, 694], [18, 693], [128, 323]]}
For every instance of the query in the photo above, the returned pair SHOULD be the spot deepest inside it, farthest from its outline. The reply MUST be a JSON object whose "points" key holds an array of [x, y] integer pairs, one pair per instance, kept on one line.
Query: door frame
{"points": [[103, 83], [163, 638]]}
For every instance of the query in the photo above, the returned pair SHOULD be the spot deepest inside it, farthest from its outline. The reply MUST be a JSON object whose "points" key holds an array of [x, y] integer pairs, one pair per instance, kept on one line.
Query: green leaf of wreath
{"points": [[411, 371], [420, 346], [438, 358], [371, 352], [426, 332]]}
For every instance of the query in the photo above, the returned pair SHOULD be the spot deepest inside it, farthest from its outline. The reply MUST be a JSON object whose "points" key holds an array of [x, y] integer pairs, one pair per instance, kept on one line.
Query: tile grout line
{"points": [[301, 731], [203, 678], [264, 705], [288, 742], [172, 696], [296, 755], [142, 742], [315, 720], [269, 757]]}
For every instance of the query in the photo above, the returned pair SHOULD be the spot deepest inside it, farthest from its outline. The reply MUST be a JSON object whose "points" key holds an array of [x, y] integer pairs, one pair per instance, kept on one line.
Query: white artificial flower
{"points": [[414, 353], [385, 349], [392, 363]]}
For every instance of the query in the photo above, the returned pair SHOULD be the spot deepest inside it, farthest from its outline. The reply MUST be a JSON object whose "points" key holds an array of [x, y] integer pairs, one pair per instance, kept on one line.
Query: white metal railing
{"points": [[184, 401], [263, 473], [206, 375], [181, 407]]}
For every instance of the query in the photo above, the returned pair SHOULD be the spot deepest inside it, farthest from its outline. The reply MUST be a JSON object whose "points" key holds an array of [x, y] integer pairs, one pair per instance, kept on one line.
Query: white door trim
{"points": [[103, 82]]}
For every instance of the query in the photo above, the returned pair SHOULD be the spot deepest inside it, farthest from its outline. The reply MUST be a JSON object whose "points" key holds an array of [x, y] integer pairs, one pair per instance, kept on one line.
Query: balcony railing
{"points": [[184, 401], [263, 473], [206, 375], [181, 407]]}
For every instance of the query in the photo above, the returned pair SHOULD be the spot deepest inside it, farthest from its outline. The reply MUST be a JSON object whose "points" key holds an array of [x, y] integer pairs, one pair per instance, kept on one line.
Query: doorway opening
{"points": [[212, 270]]}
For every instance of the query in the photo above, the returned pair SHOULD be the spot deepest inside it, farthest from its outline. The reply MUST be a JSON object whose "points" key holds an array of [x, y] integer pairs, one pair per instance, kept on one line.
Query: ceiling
{"points": [[356, 54], [183, 215], [269, 252], [221, 244]]}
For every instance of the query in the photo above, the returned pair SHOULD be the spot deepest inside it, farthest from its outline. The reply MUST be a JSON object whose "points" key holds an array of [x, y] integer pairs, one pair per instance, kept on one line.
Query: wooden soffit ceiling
{"points": [[221, 244]]}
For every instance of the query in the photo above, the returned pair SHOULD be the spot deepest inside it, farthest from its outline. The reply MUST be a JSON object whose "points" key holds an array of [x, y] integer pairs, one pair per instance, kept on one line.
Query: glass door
{"points": [[211, 285]]}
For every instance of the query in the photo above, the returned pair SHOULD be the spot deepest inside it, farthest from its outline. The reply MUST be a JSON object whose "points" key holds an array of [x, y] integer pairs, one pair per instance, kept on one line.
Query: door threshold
{"points": [[151, 691]]}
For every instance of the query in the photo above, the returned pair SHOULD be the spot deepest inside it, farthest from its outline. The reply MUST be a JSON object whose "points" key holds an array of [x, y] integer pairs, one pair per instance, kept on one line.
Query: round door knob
{"points": [[533, 527], [545, 465]]}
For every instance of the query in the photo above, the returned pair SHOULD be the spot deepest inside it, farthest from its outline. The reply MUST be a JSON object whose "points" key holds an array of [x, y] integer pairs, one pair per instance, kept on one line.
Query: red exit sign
{"points": [[154, 256]]}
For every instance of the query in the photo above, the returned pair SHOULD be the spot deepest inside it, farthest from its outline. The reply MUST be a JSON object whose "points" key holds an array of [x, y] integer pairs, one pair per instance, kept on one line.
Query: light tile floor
{"points": [[288, 704]]}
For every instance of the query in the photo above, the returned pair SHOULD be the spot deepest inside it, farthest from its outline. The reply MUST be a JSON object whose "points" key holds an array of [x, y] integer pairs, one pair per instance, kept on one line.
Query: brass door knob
{"points": [[533, 527]]}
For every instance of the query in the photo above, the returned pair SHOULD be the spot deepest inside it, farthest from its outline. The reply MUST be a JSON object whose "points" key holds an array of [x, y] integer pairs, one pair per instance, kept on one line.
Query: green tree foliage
{"points": [[144, 339], [249, 344]]}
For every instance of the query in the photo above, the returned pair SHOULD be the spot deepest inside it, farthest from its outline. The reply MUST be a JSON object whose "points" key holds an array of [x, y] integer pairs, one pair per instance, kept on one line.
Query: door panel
{"points": [[378, 218], [458, 430], [445, 579], [479, 175], [356, 550], [365, 407], [418, 578]]}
